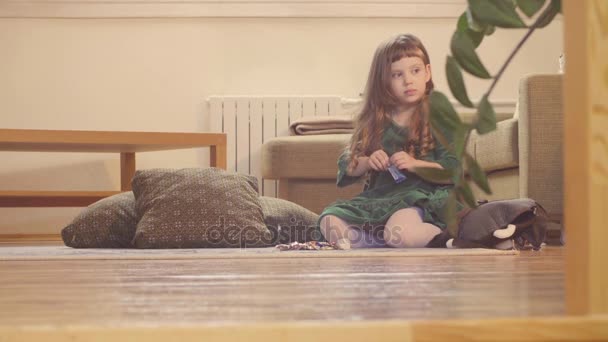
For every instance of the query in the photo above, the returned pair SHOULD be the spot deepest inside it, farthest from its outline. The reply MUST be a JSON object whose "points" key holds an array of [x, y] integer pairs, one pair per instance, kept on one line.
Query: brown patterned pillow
{"points": [[198, 208], [289, 222], [107, 223]]}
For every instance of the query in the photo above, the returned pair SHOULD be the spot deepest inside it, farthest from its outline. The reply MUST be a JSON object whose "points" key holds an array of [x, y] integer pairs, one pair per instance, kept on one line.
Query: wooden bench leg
{"points": [[218, 156], [127, 170]]}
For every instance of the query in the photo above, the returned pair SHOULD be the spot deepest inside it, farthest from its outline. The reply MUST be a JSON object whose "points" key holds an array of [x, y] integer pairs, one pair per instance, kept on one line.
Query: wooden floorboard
{"points": [[177, 292]]}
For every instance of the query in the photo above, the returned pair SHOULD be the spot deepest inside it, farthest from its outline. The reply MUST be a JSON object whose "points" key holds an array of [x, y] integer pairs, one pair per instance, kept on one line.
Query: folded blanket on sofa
{"points": [[309, 125]]}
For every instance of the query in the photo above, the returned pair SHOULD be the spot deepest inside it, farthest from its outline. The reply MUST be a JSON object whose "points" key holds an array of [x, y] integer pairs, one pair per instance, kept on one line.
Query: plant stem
{"points": [[514, 52], [466, 142]]}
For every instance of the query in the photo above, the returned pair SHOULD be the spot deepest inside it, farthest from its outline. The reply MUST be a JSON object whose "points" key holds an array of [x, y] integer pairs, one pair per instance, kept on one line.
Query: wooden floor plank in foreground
{"points": [[500, 298]]}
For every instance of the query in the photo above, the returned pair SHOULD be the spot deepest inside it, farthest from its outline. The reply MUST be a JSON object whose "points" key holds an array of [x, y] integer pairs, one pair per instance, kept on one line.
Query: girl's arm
{"points": [[377, 161], [424, 163], [361, 169], [347, 174], [404, 161]]}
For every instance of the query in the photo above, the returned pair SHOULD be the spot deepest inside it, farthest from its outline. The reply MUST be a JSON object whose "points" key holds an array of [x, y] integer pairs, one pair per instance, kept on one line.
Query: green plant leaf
{"points": [[458, 176], [549, 13], [434, 175], [439, 135], [463, 23], [463, 26], [530, 7], [499, 13], [486, 117], [459, 139], [489, 30], [443, 115], [477, 174], [465, 192], [464, 51], [456, 83], [473, 23], [475, 37]]}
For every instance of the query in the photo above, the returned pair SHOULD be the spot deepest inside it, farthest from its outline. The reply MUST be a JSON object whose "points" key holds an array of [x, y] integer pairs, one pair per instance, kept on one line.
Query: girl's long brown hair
{"points": [[379, 102]]}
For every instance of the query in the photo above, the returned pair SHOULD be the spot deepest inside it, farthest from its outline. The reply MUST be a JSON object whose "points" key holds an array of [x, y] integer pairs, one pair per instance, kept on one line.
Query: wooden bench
{"points": [[125, 143]]}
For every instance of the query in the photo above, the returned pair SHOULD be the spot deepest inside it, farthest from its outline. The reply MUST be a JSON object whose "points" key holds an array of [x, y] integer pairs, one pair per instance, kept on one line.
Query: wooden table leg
{"points": [[127, 170], [218, 156]]}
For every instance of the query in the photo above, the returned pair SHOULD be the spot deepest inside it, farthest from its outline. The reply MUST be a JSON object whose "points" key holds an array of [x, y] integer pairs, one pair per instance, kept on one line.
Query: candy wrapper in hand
{"points": [[397, 175]]}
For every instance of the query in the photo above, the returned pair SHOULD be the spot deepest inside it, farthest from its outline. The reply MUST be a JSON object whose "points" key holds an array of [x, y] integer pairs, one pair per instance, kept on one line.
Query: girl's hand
{"points": [[378, 160], [403, 161]]}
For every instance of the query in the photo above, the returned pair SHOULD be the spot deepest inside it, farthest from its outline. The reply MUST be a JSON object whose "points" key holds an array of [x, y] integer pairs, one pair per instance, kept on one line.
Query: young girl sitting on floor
{"points": [[392, 129]]}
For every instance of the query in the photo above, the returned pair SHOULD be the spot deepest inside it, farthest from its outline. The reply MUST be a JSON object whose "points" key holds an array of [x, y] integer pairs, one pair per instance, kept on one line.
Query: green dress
{"points": [[382, 197]]}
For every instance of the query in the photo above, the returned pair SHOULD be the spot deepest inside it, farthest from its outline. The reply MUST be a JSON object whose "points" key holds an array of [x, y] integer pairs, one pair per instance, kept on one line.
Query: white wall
{"points": [[154, 75]]}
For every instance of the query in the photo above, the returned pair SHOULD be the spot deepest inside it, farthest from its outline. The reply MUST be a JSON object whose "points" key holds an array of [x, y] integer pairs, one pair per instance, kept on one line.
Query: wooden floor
{"points": [[177, 292]]}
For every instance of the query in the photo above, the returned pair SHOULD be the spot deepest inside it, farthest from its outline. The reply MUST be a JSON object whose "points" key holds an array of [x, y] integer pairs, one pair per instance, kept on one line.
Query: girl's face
{"points": [[408, 79]]}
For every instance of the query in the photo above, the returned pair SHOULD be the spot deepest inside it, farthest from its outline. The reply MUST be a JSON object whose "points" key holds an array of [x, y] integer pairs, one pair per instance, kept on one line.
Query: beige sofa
{"points": [[523, 157]]}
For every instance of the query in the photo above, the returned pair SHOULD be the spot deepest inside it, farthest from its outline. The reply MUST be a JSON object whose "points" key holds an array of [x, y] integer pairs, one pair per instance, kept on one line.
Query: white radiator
{"points": [[249, 121]]}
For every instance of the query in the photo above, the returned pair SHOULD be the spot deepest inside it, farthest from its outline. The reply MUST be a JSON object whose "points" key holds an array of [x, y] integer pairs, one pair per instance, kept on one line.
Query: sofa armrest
{"points": [[540, 140], [497, 150], [303, 156]]}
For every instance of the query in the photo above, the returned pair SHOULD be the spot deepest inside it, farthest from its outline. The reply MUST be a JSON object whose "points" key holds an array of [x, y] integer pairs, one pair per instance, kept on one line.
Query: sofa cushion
{"points": [[498, 150], [194, 208], [289, 222], [310, 157], [107, 223], [316, 156]]}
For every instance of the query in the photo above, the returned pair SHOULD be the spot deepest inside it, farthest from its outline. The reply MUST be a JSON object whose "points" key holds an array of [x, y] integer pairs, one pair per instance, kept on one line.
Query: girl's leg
{"points": [[338, 231], [405, 229]]}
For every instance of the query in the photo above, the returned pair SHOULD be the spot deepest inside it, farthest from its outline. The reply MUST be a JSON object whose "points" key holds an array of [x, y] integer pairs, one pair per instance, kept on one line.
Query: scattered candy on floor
{"points": [[310, 245]]}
